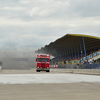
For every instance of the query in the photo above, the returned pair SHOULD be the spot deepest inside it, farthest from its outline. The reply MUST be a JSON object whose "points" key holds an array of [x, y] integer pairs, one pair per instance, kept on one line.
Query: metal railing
{"points": [[82, 69]]}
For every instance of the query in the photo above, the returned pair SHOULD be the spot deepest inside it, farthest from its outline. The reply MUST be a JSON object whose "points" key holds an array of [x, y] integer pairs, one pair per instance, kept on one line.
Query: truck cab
{"points": [[43, 62]]}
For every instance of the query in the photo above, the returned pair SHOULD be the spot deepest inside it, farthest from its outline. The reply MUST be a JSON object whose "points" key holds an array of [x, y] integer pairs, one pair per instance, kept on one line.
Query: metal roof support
{"points": [[63, 55], [81, 49], [74, 49], [84, 47], [59, 52], [77, 50], [62, 52], [67, 52]]}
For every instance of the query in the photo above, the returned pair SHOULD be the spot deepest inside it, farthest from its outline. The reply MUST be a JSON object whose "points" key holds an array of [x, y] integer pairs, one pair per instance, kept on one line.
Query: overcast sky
{"points": [[36, 23]]}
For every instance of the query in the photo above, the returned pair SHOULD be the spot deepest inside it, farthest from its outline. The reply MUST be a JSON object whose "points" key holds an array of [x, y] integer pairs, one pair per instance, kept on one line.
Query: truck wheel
{"points": [[48, 71], [37, 70]]}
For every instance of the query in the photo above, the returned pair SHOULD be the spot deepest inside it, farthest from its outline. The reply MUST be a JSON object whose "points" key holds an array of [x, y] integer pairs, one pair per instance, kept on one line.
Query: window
{"points": [[43, 59]]}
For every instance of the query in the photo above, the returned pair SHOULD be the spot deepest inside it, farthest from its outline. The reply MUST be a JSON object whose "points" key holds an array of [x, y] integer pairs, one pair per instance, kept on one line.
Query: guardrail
{"points": [[93, 69], [76, 66]]}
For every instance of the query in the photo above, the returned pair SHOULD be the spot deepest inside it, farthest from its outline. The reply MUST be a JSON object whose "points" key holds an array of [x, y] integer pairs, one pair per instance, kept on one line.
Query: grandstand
{"points": [[73, 48]]}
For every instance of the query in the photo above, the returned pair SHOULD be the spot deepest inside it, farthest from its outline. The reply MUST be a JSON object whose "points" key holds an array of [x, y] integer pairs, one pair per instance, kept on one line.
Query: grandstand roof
{"points": [[71, 41]]}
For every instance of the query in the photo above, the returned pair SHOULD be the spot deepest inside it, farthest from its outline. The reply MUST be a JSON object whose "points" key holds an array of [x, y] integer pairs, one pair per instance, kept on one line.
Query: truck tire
{"points": [[37, 70], [48, 71]]}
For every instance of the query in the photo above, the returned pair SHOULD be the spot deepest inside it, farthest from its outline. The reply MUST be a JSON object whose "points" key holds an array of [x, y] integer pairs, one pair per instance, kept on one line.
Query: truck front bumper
{"points": [[42, 69]]}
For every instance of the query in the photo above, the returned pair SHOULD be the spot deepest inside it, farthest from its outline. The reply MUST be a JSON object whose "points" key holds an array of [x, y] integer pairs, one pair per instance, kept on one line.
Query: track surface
{"points": [[47, 78], [48, 86]]}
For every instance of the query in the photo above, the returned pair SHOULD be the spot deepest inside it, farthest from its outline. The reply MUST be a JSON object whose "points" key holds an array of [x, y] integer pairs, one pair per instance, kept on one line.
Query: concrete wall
{"points": [[77, 71]]}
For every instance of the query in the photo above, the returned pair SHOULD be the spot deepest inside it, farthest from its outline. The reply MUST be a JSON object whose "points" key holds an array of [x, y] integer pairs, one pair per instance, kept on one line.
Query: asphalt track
{"points": [[16, 85], [47, 78]]}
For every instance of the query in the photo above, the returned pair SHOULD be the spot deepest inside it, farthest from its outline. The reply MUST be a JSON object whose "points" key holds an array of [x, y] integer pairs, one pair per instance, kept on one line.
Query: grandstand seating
{"points": [[74, 48]]}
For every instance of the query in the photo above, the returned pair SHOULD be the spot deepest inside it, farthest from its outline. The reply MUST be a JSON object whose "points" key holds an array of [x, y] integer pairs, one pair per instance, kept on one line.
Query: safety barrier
{"points": [[76, 66], [93, 69]]}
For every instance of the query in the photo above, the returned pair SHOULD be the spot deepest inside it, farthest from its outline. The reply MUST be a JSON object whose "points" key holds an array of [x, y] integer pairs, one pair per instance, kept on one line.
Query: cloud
{"points": [[69, 22], [38, 11], [13, 8], [84, 8], [46, 8], [35, 23], [25, 1]]}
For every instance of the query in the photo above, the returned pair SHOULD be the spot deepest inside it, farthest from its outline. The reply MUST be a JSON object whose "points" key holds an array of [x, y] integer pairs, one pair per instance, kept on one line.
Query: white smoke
{"points": [[18, 58]]}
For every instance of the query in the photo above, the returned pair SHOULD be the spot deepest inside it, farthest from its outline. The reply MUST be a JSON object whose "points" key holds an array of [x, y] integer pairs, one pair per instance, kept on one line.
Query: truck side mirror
{"points": [[36, 59]]}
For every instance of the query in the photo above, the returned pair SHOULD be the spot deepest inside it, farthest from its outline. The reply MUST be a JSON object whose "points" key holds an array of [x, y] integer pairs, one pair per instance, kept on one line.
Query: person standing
{"points": [[64, 63], [93, 61], [90, 61]]}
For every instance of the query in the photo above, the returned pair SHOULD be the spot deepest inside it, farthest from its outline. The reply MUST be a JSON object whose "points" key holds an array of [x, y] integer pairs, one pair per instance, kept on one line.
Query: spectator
{"points": [[93, 61], [90, 61], [64, 61]]}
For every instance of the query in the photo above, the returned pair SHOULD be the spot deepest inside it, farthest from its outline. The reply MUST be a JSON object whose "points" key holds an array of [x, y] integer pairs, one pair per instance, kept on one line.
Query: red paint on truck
{"points": [[43, 62]]}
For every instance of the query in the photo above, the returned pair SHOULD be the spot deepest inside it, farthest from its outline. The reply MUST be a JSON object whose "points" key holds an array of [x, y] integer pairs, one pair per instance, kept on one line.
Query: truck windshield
{"points": [[43, 59]]}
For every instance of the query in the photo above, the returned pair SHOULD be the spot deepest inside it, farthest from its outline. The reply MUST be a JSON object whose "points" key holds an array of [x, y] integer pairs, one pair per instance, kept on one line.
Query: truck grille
{"points": [[43, 65]]}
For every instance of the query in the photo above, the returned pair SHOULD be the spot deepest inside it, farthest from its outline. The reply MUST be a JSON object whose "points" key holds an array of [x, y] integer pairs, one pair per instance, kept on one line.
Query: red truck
{"points": [[43, 62]]}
